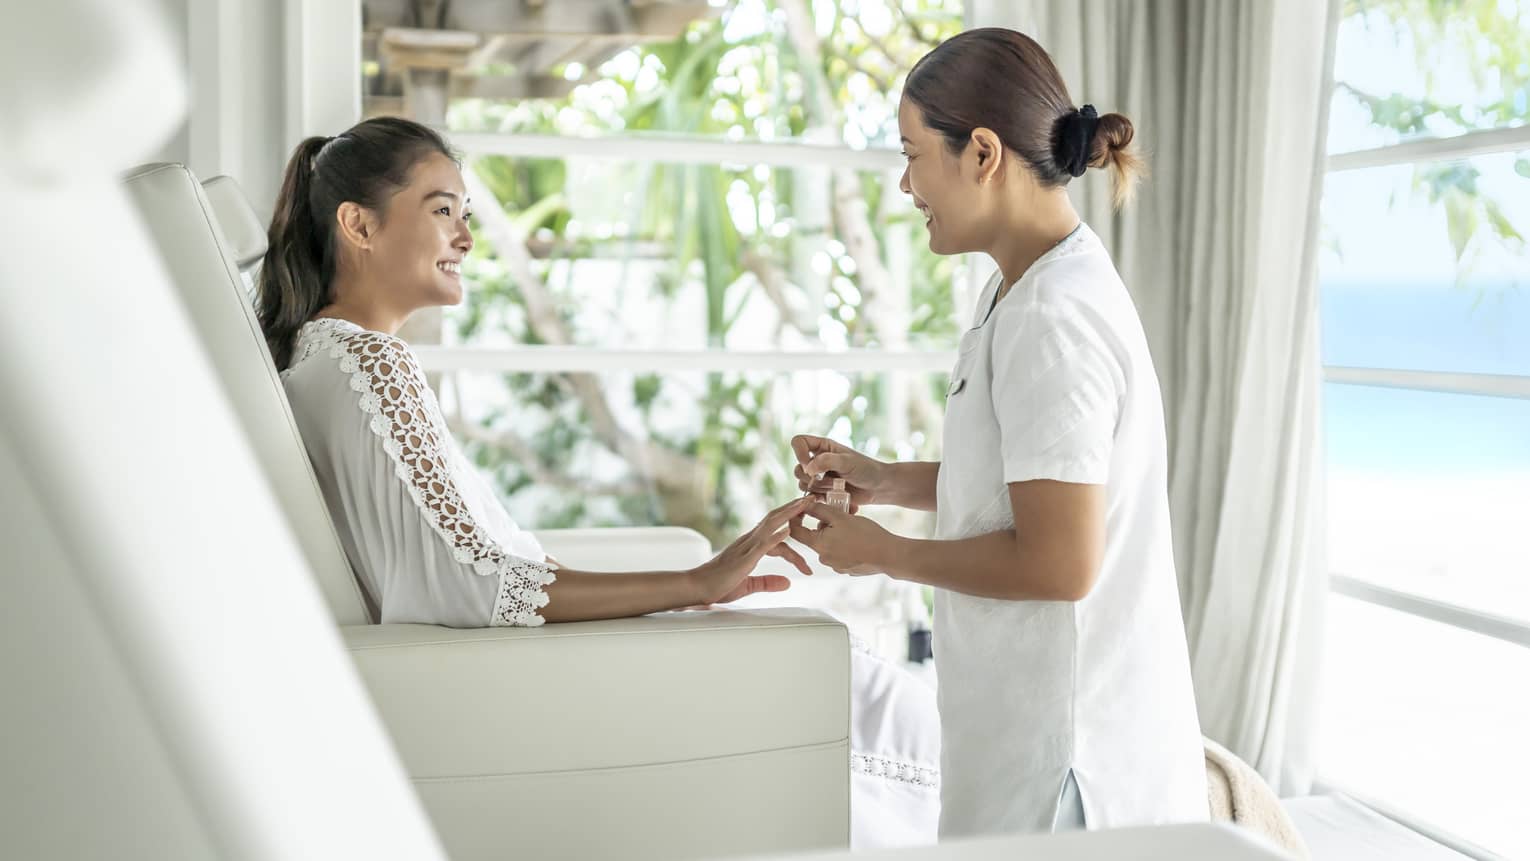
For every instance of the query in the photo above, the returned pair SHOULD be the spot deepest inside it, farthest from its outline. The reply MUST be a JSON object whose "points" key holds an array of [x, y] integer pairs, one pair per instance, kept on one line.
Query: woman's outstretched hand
{"points": [[726, 576], [864, 477]]}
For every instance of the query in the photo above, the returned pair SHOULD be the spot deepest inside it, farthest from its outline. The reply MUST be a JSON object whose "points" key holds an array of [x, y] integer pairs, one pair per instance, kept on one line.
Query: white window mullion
{"points": [[678, 149], [594, 360], [1323, 786], [1434, 149], [1489, 385], [1443, 612]]}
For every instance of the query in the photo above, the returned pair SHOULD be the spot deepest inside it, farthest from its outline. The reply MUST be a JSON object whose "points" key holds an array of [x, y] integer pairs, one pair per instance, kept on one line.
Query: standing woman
{"points": [[1064, 693]]}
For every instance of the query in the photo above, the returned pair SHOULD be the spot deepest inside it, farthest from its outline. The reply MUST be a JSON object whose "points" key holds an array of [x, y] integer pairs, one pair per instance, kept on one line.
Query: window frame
{"points": [[1414, 152], [1418, 151]]}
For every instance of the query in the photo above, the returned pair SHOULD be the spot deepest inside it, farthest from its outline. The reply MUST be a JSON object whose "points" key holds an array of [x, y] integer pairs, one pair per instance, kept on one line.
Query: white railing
{"points": [[597, 360], [679, 149]]}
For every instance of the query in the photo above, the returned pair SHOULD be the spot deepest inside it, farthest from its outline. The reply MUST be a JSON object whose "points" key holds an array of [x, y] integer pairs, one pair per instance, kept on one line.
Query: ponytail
{"points": [[366, 165], [299, 263]]}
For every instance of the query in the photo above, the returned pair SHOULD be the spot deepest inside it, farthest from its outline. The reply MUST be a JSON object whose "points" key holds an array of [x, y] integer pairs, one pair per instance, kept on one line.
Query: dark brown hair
{"points": [[1003, 81], [366, 165]]}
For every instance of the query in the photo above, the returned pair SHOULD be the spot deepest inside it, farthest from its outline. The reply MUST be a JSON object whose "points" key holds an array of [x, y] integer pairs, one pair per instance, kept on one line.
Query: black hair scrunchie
{"points": [[1075, 139]]}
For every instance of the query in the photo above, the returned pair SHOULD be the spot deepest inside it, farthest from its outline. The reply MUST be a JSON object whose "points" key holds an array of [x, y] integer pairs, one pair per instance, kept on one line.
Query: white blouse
{"points": [[1055, 382], [424, 533]]}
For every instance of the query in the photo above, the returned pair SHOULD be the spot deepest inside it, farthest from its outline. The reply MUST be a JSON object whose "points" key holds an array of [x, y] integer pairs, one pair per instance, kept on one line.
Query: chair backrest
{"points": [[206, 236]]}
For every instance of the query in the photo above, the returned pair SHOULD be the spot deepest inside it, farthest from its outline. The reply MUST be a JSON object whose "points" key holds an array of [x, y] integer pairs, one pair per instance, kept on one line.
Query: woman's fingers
{"points": [[804, 481], [773, 521], [825, 514], [820, 487], [773, 539], [805, 445], [803, 535], [756, 583], [836, 462], [784, 551], [768, 583], [772, 530]]}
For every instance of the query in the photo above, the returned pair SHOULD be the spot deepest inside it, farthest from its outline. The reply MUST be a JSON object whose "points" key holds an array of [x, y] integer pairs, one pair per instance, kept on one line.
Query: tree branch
{"points": [[774, 282], [662, 465], [527, 459], [882, 82], [913, 28], [851, 215], [849, 197]]}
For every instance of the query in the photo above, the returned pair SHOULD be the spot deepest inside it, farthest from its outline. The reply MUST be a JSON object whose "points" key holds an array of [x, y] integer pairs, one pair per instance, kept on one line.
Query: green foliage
{"points": [[701, 241], [697, 241], [1492, 38]]}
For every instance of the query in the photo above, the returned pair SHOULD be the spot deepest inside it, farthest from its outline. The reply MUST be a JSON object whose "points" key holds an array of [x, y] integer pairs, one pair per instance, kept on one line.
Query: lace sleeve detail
{"points": [[405, 416]]}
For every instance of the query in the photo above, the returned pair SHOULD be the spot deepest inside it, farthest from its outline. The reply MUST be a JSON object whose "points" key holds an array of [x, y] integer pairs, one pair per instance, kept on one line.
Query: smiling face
{"points": [[422, 237], [946, 194]]}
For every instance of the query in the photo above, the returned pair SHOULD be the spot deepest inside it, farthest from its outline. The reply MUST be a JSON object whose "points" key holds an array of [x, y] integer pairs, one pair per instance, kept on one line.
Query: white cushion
{"points": [[245, 235], [677, 735]]}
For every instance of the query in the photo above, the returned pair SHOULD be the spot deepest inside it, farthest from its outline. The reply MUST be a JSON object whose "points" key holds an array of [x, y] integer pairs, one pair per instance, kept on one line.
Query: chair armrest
{"points": [[648, 548], [674, 736], [622, 692]]}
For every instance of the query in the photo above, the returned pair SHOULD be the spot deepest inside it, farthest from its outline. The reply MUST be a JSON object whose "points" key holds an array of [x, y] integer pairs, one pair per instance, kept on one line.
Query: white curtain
{"points": [[1230, 103]]}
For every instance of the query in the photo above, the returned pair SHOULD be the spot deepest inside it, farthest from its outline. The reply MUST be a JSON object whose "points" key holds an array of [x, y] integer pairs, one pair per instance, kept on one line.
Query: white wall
{"points": [[177, 148], [263, 75]]}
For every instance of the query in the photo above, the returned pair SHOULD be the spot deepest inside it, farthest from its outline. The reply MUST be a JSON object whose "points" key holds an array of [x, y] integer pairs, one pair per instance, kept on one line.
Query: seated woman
{"points": [[371, 226]]}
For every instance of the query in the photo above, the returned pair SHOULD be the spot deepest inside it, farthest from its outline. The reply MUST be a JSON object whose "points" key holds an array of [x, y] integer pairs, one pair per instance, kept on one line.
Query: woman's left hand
{"points": [[845, 542], [726, 577]]}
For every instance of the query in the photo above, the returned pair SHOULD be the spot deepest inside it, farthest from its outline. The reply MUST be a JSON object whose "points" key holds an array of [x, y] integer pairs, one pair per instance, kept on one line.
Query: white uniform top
{"points": [[1055, 382]]}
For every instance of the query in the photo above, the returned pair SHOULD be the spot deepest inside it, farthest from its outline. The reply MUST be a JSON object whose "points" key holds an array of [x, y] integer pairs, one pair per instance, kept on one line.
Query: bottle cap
{"points": [[839, 485]]}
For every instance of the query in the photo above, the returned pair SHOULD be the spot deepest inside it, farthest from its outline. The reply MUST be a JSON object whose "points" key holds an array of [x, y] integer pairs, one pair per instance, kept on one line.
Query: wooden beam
{"points": [[382, 106], [410, 48], [636, 22], [509, 87]]}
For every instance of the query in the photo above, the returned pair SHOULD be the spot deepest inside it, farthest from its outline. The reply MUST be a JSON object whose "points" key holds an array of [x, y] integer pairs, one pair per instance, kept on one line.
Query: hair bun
{"points": [[1074, 142]]}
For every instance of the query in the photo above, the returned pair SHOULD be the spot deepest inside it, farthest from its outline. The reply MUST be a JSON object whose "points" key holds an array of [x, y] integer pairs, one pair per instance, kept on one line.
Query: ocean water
{"points": [[1483, 329]]}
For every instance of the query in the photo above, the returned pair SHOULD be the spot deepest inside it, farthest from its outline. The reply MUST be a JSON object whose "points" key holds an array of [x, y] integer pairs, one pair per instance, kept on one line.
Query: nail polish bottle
{"points": [[838, 496]]}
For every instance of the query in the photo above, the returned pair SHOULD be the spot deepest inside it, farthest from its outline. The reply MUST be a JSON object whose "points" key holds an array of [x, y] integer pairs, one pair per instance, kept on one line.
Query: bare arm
{"points": [[584, 595], [1054, 553], [912, 484]]}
